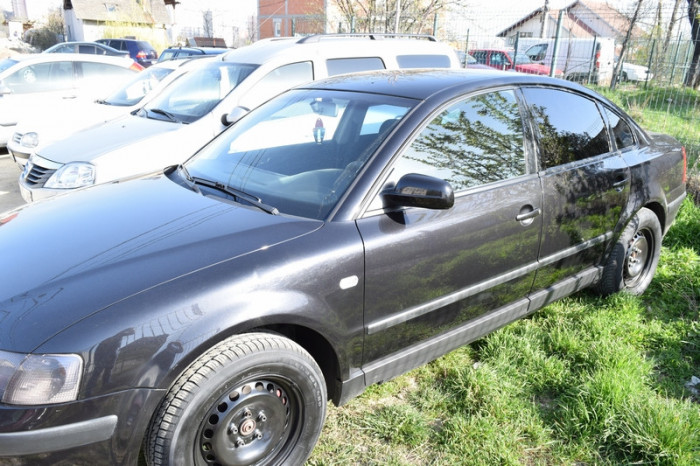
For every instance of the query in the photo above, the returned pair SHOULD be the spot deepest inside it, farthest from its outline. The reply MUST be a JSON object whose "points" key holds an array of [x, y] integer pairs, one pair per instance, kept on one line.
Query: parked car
{"points": [[191, 111], [581, 60], [139, 50], [93, 48], [37, 131], [503, 59], [635, 73], [173, 53], [206, 312], [27, 83]]}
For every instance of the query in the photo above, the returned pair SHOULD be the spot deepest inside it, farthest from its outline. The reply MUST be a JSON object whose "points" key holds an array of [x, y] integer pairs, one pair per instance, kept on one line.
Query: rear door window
{"points": [[353, 65], [624, 137], [570, 126], [423, 61]]}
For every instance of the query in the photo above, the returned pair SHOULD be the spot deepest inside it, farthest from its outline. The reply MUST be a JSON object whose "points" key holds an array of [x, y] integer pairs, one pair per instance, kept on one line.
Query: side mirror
{"points": [[415, 190], [235, 115]]}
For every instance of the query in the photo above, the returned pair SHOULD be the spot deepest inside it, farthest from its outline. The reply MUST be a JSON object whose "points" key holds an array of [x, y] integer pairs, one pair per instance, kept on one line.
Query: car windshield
{"points": [[137, 88], [301, 151], [197, 93], [6, 63]]}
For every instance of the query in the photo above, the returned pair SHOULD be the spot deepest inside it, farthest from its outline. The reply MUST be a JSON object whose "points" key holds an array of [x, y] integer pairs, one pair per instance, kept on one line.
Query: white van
{"points": [[194, 108], [582, 60]]}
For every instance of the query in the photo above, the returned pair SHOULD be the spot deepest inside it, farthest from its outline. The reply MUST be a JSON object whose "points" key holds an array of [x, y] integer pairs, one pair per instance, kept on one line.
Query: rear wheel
{"points": [[633, 260], [252, 399]]}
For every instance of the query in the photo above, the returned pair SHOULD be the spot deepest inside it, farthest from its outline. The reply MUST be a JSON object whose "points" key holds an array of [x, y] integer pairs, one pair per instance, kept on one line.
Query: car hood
{"points": [[51, 124], [73, 255], [121, 132]]}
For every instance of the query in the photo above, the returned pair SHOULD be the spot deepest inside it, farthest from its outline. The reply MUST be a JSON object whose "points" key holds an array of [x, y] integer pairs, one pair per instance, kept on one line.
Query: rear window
{"points": [[423, 61], [353, 65]]}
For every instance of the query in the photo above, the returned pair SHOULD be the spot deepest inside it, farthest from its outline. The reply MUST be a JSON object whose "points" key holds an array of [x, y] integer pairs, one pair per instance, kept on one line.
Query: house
{"points": [[89, 19], [284, 18], [580, 20]]}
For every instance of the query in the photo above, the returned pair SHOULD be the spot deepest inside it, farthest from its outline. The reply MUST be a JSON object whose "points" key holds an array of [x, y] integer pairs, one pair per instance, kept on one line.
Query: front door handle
{"points": [[527, 214], [620, 185]]}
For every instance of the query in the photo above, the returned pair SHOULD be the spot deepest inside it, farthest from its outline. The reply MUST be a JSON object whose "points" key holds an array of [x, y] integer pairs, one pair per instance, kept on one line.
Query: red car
{"points": [[502, 59]]}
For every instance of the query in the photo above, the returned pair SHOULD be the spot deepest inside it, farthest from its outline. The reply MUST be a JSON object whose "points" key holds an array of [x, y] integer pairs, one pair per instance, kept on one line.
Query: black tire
{"points": [[255, 398], [633, 260]]}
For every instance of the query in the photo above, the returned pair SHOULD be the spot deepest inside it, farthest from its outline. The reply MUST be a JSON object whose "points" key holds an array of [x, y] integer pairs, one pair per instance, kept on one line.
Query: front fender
{"points": [[148, 339]]}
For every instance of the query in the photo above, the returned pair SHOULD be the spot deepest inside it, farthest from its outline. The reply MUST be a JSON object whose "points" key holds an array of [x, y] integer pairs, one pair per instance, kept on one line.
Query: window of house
{"points": [[277, 26], [570, 126]]}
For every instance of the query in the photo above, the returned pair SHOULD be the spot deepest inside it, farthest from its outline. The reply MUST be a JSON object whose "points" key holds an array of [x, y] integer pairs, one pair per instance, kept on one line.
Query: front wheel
{"points": [[633, 260], [253, 399]]}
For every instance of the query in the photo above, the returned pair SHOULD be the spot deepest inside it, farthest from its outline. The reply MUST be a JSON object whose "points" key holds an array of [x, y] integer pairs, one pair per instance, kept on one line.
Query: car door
{"points": [[585, 184], [433, 272]]}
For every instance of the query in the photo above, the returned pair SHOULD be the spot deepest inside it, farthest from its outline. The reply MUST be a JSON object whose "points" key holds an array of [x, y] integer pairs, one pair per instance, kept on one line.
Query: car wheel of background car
{"points": [[255, 398], [632, 262], [623, 77]]}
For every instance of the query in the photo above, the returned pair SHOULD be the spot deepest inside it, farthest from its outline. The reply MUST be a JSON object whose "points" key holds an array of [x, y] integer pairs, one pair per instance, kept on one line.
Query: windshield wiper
{"points": [[165, 113], [236, 193]]}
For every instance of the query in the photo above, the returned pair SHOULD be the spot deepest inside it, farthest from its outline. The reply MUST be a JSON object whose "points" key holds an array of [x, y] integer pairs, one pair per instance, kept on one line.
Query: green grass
{"points": [[587, 380], [670, 110]]}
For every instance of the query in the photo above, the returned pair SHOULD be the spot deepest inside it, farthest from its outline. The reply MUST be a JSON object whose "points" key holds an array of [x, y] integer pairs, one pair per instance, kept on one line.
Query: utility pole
{"points": [[545, 15]]}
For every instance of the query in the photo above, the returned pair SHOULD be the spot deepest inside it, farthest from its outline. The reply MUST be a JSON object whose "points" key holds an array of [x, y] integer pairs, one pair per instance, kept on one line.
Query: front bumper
{"points": [[33, 178], [6, 131], [18, 152], [103, 430], [58, 438]]}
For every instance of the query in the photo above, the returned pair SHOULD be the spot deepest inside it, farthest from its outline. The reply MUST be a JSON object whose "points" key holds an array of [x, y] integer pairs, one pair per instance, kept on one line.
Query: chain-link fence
{"points": [[642, 68]]}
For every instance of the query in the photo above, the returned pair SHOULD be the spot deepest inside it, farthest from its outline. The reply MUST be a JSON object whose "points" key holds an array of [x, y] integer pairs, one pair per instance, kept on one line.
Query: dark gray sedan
{"points": [[339, 235]]}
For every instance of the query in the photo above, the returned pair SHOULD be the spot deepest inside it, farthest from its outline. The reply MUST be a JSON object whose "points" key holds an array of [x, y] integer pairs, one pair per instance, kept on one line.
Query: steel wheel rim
{"points": [[255, 422], [638, 256]]}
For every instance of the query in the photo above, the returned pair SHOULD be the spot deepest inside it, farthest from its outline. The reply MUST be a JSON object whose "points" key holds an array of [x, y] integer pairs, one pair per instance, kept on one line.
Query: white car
{"points": [[31, 82], [632, 72], [195, 108], [64, 118]]}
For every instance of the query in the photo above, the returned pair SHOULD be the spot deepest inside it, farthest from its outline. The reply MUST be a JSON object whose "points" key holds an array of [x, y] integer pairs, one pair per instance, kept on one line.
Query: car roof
{"points": [[290, 49], [422, 84], [34, 58]]}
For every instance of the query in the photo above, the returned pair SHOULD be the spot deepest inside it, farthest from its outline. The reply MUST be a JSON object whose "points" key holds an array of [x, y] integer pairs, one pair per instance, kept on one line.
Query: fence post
{"points": [[675, 60], [592, 66], [435, 25], [651, 57], [294, 26], [352, 25], [555, 52], [515, 53]]}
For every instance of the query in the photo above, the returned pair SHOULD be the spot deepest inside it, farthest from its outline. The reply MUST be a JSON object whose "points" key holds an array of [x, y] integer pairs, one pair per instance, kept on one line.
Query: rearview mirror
{"points": [[324, 107], [414, 190], [236, 114]]}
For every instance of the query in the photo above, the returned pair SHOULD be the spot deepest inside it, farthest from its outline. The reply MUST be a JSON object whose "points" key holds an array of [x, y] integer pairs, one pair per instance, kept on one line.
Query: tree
{"points": [[415, 16], [692, 78], [625, 43]]}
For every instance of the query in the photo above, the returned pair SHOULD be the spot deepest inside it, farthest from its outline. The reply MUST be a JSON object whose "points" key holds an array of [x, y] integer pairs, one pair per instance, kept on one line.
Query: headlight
{"points": [[33, 379], [30, 140], [72, 175]]}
